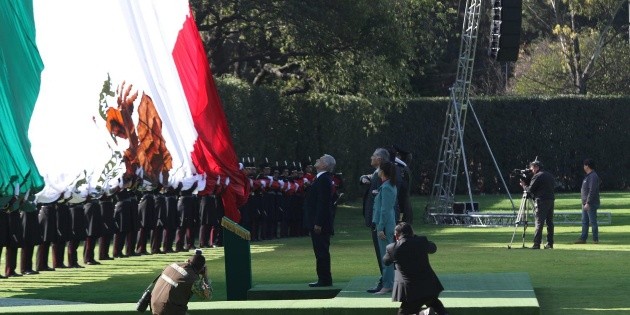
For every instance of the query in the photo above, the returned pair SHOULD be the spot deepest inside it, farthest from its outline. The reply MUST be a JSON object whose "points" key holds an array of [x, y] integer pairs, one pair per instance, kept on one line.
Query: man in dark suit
{"points": [[415, 282], [319, 217]]}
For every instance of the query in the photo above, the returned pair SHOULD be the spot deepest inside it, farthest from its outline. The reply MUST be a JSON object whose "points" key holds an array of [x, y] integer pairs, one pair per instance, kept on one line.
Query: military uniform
{"points": [[94, 229], [148, 220], [188, 210], [109, 226], [160, 223], [47, 218], [122, 219], [30, 237], [64, 233]]}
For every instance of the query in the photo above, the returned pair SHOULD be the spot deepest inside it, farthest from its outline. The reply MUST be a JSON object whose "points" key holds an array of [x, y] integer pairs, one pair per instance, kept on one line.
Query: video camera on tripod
{"points": [[525, 175]]}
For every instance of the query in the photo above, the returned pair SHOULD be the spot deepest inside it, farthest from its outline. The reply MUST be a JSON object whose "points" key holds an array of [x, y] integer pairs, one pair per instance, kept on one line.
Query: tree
{"points": [[581, 33], [363, 48]]}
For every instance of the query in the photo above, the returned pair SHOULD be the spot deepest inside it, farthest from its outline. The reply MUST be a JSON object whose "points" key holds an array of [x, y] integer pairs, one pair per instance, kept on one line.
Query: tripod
{"points": [[521, 218]]}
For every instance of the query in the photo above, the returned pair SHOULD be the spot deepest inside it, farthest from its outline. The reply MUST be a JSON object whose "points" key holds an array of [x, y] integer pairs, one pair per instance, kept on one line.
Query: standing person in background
{"points": [[122, 219], [590, 202], [319, 217], [416, 283], [542, 188], [148, 218], [402, 160], [15, 241], [4, 230], [64, 231], [384, 219], [188, 210], [31, 236], [78, 226], [172, 218], [373, 182], [94, 227], [106, 203], [47, 218], [161, 215]]}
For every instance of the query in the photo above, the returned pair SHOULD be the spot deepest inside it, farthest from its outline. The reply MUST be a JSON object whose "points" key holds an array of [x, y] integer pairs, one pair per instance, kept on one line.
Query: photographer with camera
{"points": [[541, 188], [177, 283]]}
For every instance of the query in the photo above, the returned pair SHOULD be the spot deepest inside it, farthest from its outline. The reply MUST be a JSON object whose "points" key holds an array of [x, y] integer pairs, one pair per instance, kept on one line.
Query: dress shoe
{"points": [[384, 291], [75, 266], [62, 266], [580, 241], [548, 246], [595, 242], [93, 262], [13, 274], [120, 256], [2, 277], [168, 250], [106, 258], [30, 272], [535, 246], [319, 284], [375, 289], [46, 269]]}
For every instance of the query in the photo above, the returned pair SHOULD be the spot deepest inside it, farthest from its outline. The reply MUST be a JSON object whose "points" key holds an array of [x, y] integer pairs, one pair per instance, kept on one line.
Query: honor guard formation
{"points": [[133, 217]]}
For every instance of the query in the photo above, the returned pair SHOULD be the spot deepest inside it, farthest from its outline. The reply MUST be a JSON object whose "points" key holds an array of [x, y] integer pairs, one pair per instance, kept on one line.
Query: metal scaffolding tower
{"points": [[452, 146]]}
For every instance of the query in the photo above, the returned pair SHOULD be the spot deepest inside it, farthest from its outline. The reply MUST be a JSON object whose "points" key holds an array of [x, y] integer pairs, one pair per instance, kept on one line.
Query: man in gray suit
{"points": [[373, 182], [415, 282]]}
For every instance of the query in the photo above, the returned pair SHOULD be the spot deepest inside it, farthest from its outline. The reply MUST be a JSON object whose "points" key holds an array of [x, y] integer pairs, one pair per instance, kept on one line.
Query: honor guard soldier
{"points": [[94, 225], [132, 234], [122, 218], [4, 226], [160, 223], [147, 217], [78, 224], [172, 218], [207, 206], [64, 230], [31, 235], [15, 235], [106, 202], [188, 210], [47, 202]]}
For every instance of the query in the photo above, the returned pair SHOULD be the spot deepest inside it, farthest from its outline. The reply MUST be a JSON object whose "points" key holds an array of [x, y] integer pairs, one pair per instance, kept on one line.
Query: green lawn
{"points": [[570, 279]]}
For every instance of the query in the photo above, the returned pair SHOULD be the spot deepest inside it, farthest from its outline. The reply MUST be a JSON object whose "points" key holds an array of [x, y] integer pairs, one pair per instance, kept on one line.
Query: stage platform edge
{"points": [[464, 294]]}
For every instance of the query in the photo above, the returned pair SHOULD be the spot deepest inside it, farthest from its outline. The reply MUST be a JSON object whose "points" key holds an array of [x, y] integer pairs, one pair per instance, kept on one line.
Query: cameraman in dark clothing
{"points": [[541, 189]]}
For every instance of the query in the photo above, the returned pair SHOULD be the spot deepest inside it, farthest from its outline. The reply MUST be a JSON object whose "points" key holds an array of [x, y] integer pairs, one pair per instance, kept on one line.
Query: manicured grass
{"points": [[570, 279]]}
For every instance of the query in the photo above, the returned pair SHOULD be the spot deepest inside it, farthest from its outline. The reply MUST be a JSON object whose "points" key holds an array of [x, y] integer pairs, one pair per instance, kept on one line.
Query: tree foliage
{"points": [[585, 38], [363, 48]]}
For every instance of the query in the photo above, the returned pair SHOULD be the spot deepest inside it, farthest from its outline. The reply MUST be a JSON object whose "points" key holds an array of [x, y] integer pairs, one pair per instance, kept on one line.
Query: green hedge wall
{"points": [[561, 131]]}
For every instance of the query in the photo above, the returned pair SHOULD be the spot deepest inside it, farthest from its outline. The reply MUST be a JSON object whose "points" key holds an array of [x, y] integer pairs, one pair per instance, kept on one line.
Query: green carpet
{"points": [[470, 294]]}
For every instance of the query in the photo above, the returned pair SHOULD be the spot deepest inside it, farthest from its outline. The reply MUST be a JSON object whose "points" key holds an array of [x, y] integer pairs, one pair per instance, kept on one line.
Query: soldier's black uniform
{"points": [[48, 228], [94, 229]]}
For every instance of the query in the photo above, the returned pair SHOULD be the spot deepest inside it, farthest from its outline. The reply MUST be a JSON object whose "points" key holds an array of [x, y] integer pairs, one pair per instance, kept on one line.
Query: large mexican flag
{"points": [[126, 95]]}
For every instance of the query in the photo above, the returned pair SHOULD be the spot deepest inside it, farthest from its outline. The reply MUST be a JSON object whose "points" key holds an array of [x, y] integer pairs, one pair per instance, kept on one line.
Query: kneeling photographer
{"points": [[177, 283], [541, 188]]}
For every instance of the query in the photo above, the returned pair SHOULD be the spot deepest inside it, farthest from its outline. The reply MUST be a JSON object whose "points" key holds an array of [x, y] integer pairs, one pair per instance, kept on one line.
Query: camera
{"points": [[525, 175]]}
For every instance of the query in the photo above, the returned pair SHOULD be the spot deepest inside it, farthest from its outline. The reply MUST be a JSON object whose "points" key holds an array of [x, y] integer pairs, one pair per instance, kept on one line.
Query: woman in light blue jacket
{"points": [[383, 217]]}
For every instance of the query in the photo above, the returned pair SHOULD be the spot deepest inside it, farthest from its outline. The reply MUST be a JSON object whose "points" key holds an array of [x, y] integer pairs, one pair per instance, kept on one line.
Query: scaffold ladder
{"points": [[451, 146]]}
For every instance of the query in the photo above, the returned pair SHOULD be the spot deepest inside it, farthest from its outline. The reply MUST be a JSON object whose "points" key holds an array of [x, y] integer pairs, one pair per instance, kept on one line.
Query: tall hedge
{"points": [[561, 131]]}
